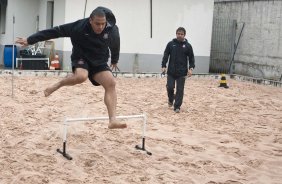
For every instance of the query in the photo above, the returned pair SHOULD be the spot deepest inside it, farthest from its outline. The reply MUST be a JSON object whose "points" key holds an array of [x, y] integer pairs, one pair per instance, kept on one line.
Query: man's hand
{"points": [[22, 41], [163, 71], [190, 71], [114, 67]]}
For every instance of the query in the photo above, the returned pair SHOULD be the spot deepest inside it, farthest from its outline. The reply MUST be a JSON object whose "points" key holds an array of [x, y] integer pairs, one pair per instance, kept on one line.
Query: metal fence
{"points": [[223, 45]]}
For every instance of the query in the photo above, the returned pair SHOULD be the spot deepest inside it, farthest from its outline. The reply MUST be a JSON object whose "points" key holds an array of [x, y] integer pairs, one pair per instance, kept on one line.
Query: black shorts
{"points": [[91, 70]]}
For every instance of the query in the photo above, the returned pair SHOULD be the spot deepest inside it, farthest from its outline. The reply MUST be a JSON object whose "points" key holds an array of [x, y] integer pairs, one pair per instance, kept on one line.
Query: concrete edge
{"points": [[63, 73]]}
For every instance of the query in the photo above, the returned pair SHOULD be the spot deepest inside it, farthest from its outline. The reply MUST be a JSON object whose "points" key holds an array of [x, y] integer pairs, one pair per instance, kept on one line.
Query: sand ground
{"points": [[221, 136]]}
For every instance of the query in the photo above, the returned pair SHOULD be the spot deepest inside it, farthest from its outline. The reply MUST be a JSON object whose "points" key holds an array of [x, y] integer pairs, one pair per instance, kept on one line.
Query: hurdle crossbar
{"points": [[69, 120]]}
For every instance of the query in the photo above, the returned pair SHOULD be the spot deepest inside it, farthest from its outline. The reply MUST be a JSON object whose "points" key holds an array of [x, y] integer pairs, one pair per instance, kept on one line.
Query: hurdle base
{"points": [[143, 149], [67, 156]]}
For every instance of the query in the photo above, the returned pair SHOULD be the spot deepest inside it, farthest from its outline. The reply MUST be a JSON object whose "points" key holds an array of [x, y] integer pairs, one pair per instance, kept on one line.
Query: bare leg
{"points": [[79, 76], [106, 79]]}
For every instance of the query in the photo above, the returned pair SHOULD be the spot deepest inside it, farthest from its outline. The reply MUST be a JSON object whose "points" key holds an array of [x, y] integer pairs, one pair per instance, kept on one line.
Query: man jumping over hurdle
{"points": [[92, 38]]}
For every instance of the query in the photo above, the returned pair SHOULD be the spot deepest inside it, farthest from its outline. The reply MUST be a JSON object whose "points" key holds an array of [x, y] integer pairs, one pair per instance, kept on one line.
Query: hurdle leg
{"points": [[67, 156], [143, 137], [63, 152]]}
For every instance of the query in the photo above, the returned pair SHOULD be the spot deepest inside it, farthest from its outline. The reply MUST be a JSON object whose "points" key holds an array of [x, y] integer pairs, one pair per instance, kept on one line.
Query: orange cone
{"points": [[55, 64]]}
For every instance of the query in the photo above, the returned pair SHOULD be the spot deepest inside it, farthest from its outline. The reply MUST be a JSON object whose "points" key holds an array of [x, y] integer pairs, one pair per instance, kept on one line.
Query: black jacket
{"points": [[177, 52], [87, 45]]}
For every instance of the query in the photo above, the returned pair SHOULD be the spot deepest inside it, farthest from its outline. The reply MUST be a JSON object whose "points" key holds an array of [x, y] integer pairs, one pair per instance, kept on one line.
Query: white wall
{"points": [[42, 11], [59, 18], [73, 12], [133, 19], [25, 13]]}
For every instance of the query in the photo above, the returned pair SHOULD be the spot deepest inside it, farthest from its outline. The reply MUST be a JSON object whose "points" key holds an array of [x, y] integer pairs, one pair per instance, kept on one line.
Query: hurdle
{"points": [[69, 120]]}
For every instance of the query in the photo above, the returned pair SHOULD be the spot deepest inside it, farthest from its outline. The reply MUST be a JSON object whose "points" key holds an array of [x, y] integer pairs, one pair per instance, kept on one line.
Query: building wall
{"points": [[138, 48], [25, 13], [25, 22], [259, 52]]}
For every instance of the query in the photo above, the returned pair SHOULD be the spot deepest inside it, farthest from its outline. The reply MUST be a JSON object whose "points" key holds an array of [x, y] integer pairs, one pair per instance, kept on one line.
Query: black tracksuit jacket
{"points": [[87, 45], [178, 53]]}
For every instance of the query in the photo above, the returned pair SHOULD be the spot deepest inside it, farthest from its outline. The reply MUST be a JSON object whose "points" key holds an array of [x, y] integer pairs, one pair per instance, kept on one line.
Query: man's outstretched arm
{"points": [[47, 34]]}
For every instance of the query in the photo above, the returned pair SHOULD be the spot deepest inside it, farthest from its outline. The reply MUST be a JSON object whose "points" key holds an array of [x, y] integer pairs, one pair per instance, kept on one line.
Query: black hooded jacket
{"points": [[178, 53], [87, 45]]}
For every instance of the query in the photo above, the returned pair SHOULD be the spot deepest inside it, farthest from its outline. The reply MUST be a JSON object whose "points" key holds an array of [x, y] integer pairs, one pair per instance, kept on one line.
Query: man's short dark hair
{"points": [[98, 12], [181, 29]]}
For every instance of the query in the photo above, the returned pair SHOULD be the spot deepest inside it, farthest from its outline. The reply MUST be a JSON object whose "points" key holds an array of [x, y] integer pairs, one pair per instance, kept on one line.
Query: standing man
{"points": [[92, 38], [177, 52]]}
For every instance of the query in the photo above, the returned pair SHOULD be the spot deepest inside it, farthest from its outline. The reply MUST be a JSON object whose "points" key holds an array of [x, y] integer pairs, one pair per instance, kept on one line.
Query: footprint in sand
{"points": [[33, 92], [89, 163], [30, 177], [277, 152], [225, 141], [39, 158], [198, 148], [226, 182], [163, 159], [254, 163], [86, 162], [235, 152], [277, 140]]}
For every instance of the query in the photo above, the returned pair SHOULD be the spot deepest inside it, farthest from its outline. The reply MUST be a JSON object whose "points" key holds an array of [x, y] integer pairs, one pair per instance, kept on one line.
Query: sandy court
{"points": [[221, 136]]}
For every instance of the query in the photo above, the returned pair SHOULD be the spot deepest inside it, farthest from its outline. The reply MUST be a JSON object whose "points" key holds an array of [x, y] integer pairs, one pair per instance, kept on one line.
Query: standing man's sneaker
{"points": [[177, 110], [170, 104]]}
